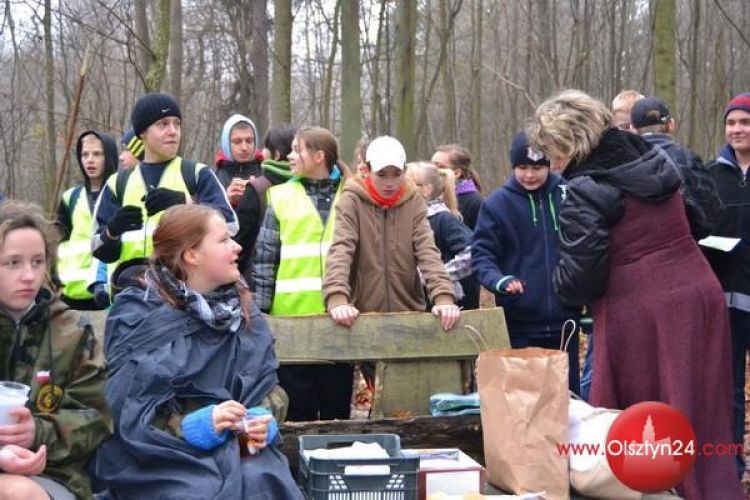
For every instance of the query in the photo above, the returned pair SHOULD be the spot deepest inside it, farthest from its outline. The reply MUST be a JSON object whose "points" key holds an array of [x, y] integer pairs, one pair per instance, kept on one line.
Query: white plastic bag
{"points": [[590, 474]]}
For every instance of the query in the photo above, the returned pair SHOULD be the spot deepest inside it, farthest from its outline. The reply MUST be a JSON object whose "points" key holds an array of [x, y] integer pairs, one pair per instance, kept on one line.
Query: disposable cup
{"points": [[12, 395]]}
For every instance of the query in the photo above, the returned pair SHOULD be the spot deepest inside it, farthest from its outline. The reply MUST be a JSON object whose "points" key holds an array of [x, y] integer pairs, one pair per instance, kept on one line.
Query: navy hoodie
{"points": [[516, 236]]}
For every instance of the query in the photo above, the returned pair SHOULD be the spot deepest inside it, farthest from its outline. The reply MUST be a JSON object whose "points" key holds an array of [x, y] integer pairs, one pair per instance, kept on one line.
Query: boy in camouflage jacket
{"points": [[52, 349]]}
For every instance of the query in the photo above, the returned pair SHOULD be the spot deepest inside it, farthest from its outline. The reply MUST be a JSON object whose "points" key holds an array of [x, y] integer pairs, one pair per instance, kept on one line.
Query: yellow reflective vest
{"points": [[304, 247], [76, 266], [139, 243]]}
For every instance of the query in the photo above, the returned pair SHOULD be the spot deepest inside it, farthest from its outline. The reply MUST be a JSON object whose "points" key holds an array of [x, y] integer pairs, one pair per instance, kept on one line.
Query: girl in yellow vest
{"points": [[290, 256], [382, 243]]}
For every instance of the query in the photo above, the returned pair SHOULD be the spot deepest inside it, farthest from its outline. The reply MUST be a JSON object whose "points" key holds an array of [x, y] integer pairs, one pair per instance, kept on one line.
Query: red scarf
{"points": [[380, 199]]}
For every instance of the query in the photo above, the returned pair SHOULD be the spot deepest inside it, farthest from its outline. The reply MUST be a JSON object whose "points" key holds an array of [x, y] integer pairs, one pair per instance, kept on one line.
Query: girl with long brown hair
{"points": [[192, 374]]}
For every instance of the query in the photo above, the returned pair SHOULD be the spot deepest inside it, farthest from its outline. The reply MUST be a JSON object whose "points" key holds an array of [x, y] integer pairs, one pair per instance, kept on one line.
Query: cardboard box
{"points": [[447, 470]]}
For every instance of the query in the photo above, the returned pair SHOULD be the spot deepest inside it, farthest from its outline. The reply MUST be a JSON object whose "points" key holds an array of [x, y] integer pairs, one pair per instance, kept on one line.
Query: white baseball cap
{"points": [[385, 151]]}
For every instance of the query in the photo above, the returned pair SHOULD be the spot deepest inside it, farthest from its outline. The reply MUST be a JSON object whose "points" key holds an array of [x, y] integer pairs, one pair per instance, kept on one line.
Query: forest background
{"points": [[428, 72]]}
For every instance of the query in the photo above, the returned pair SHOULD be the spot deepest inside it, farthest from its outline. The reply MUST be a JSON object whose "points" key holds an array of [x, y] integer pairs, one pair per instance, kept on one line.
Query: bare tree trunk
{"points": [[423, 120], [351, 73], [477, 15], [449, 117], [621, 45], [9, 136], [281, 106], [425, 141], [720, 91], [325, 119], [376, 99], [407, 23], [664, 50], [545, 54], [612, 48], [259, 61], [49, 84], [143, 41], [694, 73], [160, 47], [175, 49]]}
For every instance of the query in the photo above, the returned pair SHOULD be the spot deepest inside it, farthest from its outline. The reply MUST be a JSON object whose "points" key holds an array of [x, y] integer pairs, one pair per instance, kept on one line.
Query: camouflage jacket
{"points": [[69, 409]]}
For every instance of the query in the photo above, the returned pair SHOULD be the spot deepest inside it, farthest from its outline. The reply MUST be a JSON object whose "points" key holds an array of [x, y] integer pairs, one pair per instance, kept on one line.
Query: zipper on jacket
{"points": [[385, 256], [14, 352], [546, 263]]}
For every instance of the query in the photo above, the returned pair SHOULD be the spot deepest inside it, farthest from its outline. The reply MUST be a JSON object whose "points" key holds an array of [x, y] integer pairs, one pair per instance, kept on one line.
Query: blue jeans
{"points": [[587, 363], [740, 326]]}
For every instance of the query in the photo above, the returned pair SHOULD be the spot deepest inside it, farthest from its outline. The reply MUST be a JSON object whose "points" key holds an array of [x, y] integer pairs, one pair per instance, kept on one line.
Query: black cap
{"points": [[649, 111], [523, 154], [151, 108]]}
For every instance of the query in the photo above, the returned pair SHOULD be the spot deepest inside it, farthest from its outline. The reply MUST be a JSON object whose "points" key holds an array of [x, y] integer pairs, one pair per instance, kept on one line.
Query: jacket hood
{"points": [[227, 128], [111, 155], [629, 163], [357, 186], [727, 156]]}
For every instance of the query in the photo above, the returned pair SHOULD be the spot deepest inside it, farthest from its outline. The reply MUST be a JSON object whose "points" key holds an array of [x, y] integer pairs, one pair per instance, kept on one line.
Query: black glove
{"points": [[101, 295], [161, 199], [127, 218]]}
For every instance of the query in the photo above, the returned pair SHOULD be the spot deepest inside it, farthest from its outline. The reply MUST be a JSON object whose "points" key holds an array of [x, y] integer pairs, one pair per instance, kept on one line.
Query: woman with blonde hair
{"points": [[625, 248], [192, 375]]}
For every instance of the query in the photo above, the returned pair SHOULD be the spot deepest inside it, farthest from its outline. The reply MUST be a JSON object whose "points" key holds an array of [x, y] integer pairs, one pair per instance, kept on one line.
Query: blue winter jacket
{"points": [[161, 359], [517, 237]]}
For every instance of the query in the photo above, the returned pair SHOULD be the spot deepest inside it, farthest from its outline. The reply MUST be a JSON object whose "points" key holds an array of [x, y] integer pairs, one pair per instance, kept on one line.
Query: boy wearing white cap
{"points": [[382, 241]]}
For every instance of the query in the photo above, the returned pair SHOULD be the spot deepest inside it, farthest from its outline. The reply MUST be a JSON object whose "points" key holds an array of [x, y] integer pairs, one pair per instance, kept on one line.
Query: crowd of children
{"points": [[188, 258]]}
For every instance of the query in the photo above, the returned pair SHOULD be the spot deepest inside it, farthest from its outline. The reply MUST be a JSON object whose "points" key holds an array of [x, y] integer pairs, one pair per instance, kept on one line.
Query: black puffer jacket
{"points": [[622, 163], [732, 268]]}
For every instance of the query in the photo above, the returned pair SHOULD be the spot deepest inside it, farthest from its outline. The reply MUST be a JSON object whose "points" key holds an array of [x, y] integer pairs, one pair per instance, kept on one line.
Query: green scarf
{"points": [[277, 167]]}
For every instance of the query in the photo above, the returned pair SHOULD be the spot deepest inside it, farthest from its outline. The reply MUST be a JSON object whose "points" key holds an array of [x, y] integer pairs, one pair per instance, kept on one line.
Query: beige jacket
{"points": [[373, 260]]}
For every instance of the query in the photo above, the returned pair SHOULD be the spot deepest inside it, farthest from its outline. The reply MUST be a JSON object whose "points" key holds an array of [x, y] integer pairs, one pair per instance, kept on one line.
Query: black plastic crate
{"points": [[324, 479]]}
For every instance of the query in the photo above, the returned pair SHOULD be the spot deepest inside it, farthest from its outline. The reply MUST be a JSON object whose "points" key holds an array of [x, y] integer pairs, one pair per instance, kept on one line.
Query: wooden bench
{"points": [[415, 357]]}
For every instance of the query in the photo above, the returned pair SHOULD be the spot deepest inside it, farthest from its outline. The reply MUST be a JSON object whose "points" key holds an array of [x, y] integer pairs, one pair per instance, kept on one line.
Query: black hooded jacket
{"points": [[64, 212], [622, 164]]}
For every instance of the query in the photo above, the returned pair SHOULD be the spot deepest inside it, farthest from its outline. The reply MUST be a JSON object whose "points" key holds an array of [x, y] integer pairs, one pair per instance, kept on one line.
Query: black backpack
{"points": [[702, 203]]}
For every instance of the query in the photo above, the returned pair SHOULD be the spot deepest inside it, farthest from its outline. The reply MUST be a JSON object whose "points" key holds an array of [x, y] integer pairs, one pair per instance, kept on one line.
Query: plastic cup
{"points": [[12, 395]]}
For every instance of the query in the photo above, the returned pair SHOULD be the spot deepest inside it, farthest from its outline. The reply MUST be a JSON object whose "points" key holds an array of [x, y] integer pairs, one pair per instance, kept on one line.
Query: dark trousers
{"points": [[470, 287], [547, 340], [318, 392], [740, 325]]}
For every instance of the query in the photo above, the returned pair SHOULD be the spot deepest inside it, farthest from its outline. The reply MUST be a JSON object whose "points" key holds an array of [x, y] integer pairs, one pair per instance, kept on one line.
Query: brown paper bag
{"points": [[524, 406]]}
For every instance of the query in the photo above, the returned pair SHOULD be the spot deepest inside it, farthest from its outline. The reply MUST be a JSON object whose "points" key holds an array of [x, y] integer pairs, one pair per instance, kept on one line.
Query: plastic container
{"points": [[327, 479], [12, 395]]}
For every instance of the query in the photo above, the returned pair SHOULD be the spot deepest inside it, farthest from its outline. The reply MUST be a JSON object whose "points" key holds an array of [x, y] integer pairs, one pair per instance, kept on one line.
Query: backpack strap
{"points": [[189, 175], [261, 184], [121, 182], [73, 200]]}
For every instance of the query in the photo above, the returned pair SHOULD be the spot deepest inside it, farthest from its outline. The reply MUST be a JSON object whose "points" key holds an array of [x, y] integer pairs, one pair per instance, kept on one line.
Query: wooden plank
{"points": [[387, 336], [404, 387], [378, 336]]}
